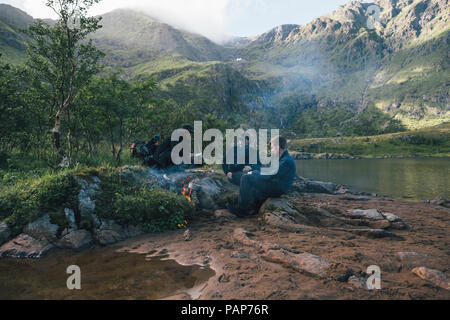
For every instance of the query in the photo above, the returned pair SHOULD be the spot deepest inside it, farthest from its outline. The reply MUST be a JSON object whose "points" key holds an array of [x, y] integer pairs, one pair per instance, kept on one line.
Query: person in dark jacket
{"points": [[163, 155], [235, 171], [256, 188], [152, 146]]}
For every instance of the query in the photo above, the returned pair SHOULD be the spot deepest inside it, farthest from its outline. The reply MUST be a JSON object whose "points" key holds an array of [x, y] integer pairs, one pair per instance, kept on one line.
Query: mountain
{"points": [[334, 75], [12, 38], [130, 38], [400, 68]]}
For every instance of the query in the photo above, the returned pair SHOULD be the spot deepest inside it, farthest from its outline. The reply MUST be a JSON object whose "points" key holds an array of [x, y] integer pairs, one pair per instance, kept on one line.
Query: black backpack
{"points": [[139, 149]]}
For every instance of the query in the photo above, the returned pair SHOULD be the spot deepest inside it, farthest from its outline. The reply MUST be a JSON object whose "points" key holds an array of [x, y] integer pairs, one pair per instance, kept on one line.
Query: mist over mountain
{"points": [[332, 76]]}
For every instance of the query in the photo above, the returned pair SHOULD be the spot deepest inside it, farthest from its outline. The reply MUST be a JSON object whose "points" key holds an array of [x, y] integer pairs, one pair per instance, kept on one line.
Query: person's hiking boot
{"points": [[238, 211]]}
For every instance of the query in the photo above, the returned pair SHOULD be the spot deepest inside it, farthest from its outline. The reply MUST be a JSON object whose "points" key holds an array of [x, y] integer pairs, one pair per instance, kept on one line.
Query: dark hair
{"points": [[283, 143], [189, 128]]}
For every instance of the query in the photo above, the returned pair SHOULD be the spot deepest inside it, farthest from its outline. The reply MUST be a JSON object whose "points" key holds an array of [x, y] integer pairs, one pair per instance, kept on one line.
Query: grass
{"points": [[27, 195], [424, 142]]}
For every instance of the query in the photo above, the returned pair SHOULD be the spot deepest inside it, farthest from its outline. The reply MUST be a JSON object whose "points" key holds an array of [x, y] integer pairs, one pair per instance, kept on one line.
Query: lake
{"points": [[411, 178]]}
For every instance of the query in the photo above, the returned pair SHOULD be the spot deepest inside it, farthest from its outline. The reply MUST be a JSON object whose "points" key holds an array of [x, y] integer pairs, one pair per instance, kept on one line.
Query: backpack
{"points": [[139, 149]]}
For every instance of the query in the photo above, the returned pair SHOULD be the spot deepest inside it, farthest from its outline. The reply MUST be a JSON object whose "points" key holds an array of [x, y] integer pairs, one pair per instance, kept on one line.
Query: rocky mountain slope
{"points": [[333, 75]]}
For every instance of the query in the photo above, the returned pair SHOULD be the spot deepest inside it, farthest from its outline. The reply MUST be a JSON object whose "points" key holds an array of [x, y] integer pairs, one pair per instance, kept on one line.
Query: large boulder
{"points": [[86, 205], [76, 240], [370, 214], [5, 232], [110, 232], [42, 229], [304, 185], [439, 202], [25, 246]]}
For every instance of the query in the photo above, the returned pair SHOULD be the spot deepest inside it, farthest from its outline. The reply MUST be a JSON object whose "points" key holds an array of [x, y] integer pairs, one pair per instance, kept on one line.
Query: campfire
{"points": [[187, 188]]}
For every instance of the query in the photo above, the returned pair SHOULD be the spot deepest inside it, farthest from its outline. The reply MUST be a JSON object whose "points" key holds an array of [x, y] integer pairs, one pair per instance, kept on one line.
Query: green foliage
{"points": [[24, 197], [64, 58], [425, 142], [111, 109], [24, 200], [155, 209]]}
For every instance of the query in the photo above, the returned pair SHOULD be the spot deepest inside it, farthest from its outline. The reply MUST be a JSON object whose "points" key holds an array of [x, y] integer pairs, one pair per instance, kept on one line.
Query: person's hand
{"points": [[230, 175], [247, 169]]}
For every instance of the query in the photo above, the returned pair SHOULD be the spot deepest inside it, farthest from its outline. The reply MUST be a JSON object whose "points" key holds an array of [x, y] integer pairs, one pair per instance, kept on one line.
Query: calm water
{"points": [[105, 275], [417, 178]]}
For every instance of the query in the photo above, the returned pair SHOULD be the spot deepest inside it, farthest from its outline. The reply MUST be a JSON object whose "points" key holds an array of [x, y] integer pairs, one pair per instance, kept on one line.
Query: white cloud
{"points": [[207, 17], [214, 19], [211, 18], [37, 9]]}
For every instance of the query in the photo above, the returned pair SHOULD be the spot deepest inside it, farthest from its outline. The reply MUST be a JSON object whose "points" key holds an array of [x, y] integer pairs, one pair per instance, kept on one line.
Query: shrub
{"points": [[154, 209], [27, 200], [26, 197]]}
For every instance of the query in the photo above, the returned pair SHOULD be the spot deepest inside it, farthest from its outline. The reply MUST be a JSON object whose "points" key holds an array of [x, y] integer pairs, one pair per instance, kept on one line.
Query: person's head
{"points": [[189, 128], [157, 140], [278, 145]]}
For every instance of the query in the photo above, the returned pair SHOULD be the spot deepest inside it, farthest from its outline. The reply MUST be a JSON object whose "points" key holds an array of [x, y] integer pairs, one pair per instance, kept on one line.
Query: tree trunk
{"points": [[119, 153], [69, 140], [56, 133]]}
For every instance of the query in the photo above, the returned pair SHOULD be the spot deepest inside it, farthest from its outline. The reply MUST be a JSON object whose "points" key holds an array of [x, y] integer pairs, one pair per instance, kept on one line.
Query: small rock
{"points": [[163, 252], [436, 277], [345, 276], [372, 214], [25, 246], [238, 254], [187, 235], [357, 282], [391, 217], [5, 233], [70, 216], [439, 202], [410, 255], [42, 229], [224, 278], [85, 204]]}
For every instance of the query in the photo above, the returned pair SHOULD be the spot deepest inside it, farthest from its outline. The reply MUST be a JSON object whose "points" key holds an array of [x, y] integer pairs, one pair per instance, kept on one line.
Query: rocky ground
{"points": [[315, 243], [255, 259]]}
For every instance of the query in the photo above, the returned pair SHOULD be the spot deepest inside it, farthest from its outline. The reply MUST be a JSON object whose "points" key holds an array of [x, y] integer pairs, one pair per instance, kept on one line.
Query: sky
{"points": [[215, 19]]}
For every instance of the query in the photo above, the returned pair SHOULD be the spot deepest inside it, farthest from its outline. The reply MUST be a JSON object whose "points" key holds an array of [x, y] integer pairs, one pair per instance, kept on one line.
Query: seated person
{"points": [[152, 146], [235, 171], [163, 154], [256, 188]]}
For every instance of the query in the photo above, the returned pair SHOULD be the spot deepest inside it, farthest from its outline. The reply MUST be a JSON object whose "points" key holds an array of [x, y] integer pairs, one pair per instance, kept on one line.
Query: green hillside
{"points": [[333, 76]]}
